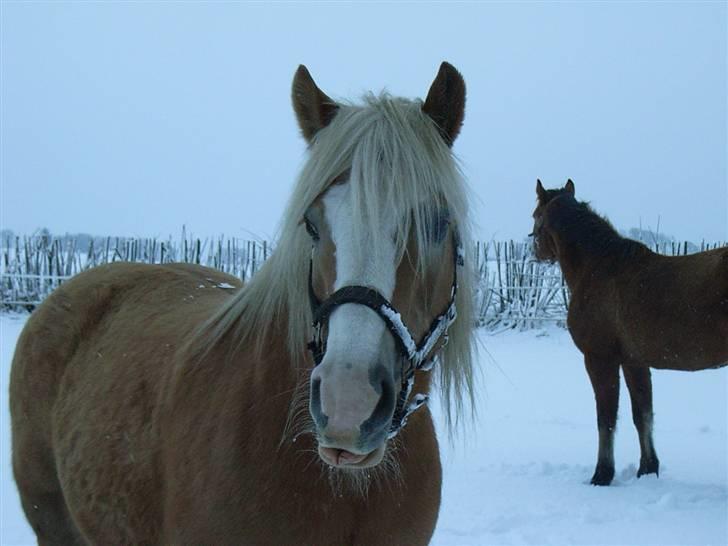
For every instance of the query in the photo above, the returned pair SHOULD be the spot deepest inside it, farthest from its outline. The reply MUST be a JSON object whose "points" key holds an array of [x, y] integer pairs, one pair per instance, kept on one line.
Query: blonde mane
{"points": [[396, 157]]}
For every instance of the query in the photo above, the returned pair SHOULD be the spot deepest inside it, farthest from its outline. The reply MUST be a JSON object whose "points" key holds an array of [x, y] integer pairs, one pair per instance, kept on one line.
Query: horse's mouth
{"points": [[341, 458]]}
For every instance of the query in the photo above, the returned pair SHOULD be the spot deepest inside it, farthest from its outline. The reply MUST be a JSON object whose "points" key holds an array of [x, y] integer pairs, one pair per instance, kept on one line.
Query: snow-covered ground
{"points": [[520, 476]]}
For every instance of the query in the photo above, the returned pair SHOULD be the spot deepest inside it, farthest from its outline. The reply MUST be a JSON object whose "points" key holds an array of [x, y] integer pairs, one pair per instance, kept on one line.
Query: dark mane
{"points": [[580, 227]]}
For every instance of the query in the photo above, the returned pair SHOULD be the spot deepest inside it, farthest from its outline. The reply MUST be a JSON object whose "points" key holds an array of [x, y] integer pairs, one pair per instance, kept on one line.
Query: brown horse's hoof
{"points": [[649, 466], [602, 475]]}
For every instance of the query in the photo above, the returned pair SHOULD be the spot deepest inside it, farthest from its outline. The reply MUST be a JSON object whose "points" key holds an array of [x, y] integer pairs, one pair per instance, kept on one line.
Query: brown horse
{"points": [[633, 308], [164, 404]]}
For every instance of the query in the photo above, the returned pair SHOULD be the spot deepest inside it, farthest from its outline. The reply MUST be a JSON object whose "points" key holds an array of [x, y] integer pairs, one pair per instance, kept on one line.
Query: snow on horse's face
{"points": [[364, 234]]}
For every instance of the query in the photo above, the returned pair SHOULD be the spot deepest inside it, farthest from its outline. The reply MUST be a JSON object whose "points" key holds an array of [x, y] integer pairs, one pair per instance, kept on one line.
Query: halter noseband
{"points": [[417, 354]]}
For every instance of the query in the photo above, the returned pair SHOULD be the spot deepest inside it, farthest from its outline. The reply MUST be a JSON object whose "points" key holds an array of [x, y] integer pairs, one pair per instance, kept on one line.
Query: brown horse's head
{"points": [[544, 243], [386, 219]]}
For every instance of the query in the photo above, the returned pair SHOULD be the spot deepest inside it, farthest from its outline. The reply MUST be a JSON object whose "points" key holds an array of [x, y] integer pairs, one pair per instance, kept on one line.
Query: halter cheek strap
{"points": [[420, 356]]}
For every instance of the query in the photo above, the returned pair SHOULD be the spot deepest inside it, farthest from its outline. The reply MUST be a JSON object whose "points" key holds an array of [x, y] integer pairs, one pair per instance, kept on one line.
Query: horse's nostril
{"points": [[318, 415], [378, 422]]}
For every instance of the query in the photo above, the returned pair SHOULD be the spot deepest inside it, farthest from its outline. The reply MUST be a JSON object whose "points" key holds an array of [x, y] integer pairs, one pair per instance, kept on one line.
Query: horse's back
{"points": [[87, 372], [673, 311]]}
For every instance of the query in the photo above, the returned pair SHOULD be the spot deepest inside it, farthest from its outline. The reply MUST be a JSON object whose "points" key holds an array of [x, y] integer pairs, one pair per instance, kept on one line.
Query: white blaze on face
{"points": [[355, 332], [355, 329]]}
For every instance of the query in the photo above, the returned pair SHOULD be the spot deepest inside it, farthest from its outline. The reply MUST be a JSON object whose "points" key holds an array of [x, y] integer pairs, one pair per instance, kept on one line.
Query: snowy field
{"points": [[520, 476]]}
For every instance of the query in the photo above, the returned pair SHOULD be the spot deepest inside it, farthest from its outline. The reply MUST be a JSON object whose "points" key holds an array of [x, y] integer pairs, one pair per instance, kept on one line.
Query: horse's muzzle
{"points": [[342, 458], [352, 412]]}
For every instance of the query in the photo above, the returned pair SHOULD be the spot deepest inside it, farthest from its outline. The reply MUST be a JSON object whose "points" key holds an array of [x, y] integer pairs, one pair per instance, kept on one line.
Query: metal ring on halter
{"points": [[416, 354]]}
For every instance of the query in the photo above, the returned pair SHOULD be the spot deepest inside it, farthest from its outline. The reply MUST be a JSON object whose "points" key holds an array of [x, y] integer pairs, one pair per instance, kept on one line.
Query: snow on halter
{"points": [[418, 355]]}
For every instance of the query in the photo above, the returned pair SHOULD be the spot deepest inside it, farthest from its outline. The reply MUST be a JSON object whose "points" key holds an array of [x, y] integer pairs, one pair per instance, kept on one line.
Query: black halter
{"points": [[418, 355]]}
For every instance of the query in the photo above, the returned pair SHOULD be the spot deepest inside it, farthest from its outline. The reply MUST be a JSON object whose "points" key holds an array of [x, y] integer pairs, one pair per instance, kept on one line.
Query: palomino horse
{"points": [[153, 404], [631, 308]]}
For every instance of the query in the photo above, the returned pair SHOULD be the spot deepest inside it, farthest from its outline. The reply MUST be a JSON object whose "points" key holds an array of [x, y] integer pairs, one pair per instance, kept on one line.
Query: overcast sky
{"points": [[136, 118]]}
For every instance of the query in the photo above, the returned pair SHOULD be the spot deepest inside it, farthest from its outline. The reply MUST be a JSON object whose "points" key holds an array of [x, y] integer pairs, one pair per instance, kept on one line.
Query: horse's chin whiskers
{"points": [[360, 481], [350, 481], [299, 421], [299, 424], [302, 433]]}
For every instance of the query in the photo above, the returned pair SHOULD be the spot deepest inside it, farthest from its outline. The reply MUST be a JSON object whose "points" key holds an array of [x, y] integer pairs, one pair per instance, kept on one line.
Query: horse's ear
{"points": [[540, 191], [314, 109], [570, 187], [445, 102]]}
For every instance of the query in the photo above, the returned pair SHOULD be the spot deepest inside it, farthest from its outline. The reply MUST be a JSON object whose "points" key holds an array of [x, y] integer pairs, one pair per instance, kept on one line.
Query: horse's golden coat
{"points": [[157, 404]]}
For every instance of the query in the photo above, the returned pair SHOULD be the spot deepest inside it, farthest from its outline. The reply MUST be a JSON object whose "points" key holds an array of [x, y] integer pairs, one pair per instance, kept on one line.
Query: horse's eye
{"points": [[311, 229], [438, 227], [537, 224]]}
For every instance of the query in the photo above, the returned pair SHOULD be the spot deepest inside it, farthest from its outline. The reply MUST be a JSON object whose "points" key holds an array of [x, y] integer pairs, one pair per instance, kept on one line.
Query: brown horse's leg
{"points": [[604, 376], [639, 383]]}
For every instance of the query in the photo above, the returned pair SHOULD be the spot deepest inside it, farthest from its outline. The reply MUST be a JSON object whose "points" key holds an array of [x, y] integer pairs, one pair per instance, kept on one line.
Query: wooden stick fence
{"points": [[513, 290]]}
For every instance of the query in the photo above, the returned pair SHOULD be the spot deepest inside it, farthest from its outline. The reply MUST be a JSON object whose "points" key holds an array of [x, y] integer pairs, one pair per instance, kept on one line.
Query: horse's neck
{"points": [[586, 252], [600, 253], [572, 266], [264, 357]]}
